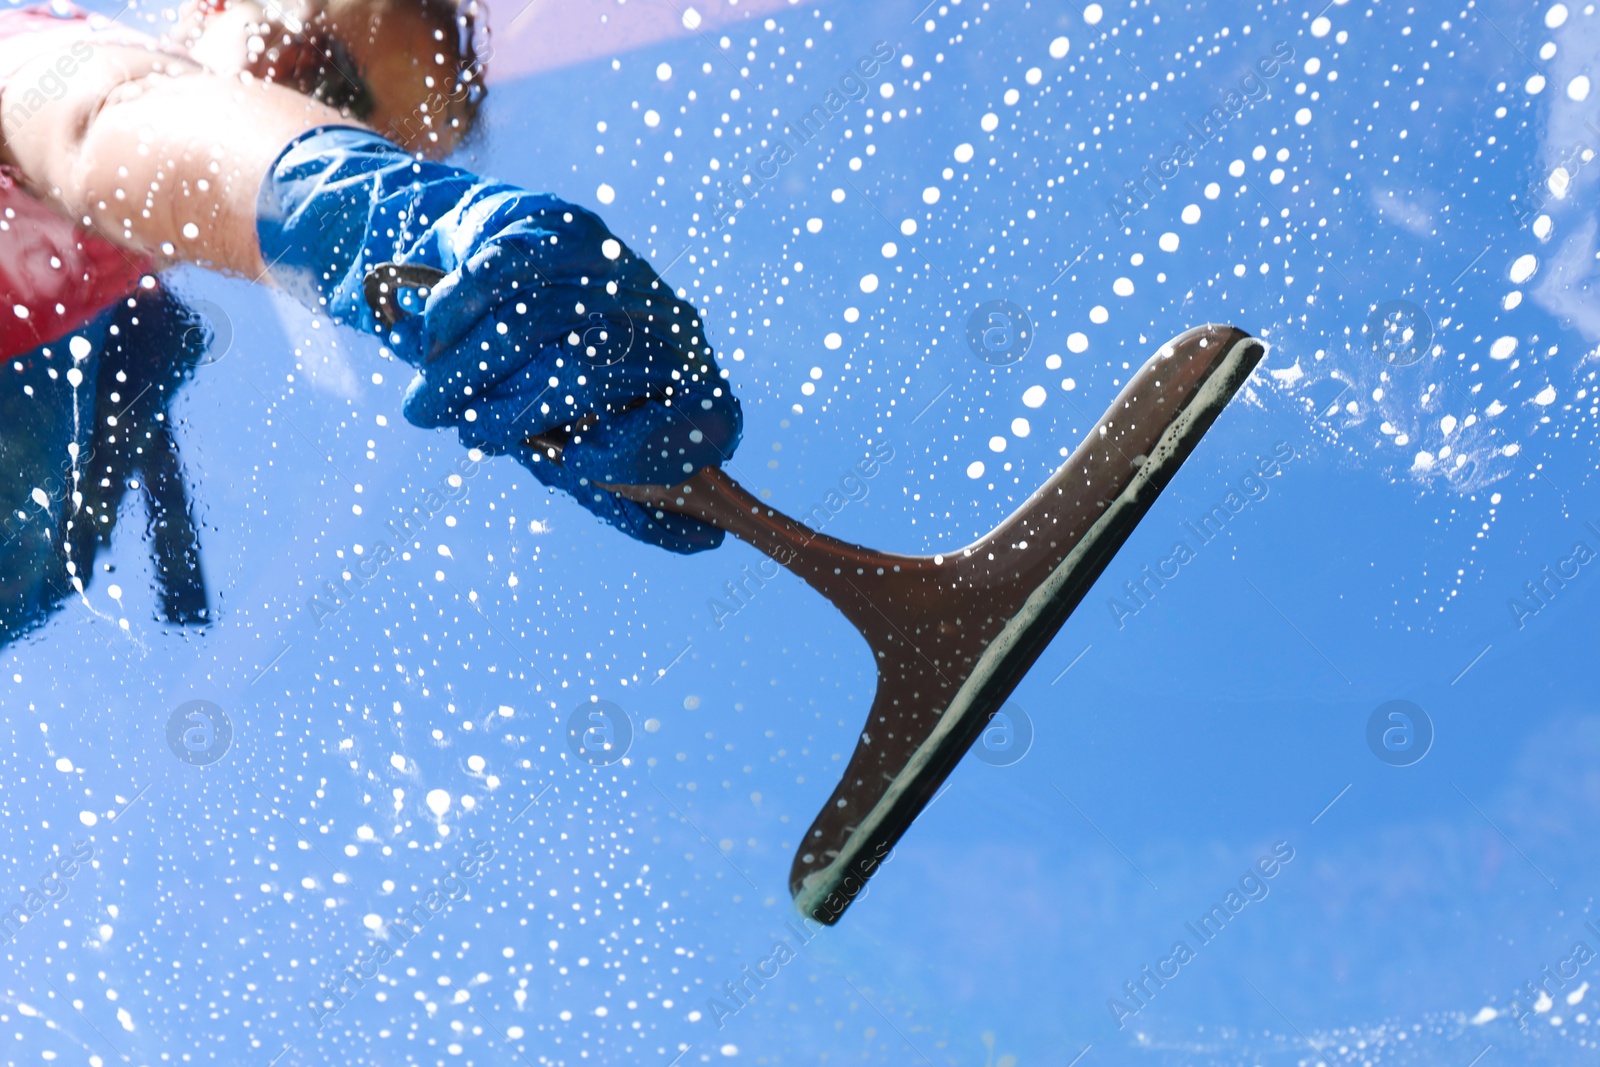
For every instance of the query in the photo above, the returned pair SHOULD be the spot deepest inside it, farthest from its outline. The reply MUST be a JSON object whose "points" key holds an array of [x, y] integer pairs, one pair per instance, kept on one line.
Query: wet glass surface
{"points": [[580, 765]]}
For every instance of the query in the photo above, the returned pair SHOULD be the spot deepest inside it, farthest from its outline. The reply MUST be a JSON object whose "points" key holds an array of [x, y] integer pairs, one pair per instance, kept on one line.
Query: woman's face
{"points": [[375, 67]]}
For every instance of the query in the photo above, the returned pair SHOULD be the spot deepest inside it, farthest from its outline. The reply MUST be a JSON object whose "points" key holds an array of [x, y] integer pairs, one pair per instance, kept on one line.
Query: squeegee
{"points": [[955, 632]]}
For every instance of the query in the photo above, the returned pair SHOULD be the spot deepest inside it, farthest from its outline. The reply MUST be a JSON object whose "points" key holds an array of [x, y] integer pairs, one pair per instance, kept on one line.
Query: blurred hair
{"points": [[462, 25], [460, 30]]}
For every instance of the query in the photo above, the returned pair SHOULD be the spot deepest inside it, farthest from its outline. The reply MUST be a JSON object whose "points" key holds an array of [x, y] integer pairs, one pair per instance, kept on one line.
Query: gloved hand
{"points": [[541, 318]]}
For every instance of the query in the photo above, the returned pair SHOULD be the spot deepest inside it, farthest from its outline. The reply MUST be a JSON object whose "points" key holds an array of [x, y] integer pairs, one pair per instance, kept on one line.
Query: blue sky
{"points": [[1384, 162]]}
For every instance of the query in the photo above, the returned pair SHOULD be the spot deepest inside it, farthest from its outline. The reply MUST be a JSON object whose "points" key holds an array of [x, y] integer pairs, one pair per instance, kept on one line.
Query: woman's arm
{"points": [[158, 154]]}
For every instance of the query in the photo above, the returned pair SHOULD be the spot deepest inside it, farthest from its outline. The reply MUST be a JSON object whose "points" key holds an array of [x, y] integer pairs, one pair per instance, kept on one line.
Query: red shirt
{"points": [[55, 275]]}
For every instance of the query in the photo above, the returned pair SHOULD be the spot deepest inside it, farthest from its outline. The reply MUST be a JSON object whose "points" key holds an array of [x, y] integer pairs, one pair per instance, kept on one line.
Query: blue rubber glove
{"points": [[541, 319]]}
